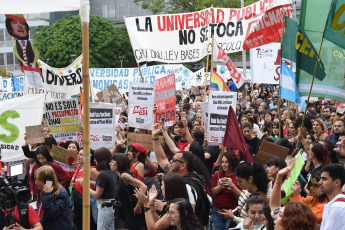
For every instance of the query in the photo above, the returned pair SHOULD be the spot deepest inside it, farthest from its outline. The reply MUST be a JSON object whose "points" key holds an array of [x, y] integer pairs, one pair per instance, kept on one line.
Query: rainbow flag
{"points": [[217, 83]]}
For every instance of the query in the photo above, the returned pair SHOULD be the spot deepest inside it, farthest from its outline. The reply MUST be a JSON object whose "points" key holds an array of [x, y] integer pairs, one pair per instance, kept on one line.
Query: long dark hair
{"points": [[232, 159], [44, 151], [255, 170], [175, 186], [103, 158], [122, 162], [141, 157], [187, 217]]}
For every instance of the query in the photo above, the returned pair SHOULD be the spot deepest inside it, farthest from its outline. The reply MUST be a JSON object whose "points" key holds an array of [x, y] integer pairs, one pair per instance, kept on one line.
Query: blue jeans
{"points": [[219, 222], [105, 219]]}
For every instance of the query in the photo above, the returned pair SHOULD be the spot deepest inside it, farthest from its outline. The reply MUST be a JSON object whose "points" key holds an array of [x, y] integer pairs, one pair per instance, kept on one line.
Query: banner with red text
{"points": [[63, 119], [140, 107], [186, 37], [165, 99]]}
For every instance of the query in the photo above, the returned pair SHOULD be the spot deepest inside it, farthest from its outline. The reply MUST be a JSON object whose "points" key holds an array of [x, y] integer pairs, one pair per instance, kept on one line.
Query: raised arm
{"points": [[157, 147], [275, 201]]}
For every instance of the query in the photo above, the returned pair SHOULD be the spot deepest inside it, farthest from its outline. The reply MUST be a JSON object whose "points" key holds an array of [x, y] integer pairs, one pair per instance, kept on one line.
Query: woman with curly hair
{"points": [[319, 128], [295, 216]]}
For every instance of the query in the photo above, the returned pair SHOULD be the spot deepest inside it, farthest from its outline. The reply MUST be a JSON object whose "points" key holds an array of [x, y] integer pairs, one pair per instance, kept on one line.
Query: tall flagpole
{"points": [[85, 21]]}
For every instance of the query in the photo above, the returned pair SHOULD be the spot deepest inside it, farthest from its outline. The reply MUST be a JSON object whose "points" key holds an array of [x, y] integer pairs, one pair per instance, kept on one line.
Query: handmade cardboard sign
{"points": [[165, 99], [268, 150], [35, 134], [63, 155], [144, 139], [112, 95]]}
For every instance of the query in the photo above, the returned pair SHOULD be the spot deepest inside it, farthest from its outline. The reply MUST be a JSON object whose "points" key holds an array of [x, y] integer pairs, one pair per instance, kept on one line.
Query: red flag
{"points": [[220, 55], [234, 138]]}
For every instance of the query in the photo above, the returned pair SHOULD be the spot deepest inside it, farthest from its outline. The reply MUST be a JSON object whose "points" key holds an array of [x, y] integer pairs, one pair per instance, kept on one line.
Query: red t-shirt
{"points": [[182, 144], [226, 199], [33, 216], [79, 176]]}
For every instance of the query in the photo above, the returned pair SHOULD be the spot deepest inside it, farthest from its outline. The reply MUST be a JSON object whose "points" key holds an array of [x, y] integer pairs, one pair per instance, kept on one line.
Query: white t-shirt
{"points": [[191, 196], [334, 214]]}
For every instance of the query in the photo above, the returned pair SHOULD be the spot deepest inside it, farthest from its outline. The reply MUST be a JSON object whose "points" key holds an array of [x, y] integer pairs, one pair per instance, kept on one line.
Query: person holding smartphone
{"points": [[53, 202]]}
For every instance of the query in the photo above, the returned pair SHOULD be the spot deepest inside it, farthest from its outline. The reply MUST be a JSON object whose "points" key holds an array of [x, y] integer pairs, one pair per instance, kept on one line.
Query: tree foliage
{"points": [[4, 73], [182, 6], [63, 38]]}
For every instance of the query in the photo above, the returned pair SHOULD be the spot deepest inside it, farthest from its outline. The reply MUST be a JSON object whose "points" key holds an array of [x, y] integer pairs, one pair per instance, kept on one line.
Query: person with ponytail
{"points": [[251, 178]]}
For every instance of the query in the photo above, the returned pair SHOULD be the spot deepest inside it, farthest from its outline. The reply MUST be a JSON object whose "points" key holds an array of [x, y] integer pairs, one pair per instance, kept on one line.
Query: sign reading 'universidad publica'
{"points": [[186, 37]]}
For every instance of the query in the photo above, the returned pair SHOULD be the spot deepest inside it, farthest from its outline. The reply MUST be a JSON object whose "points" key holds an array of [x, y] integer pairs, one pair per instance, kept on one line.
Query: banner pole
{"points": [[205, 89], [211, 70], [85, 19], [141, 74]]}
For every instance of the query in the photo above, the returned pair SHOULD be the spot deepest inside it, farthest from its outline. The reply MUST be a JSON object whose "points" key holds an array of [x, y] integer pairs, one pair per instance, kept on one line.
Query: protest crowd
{"points": [[186, 183], [173, 149]]}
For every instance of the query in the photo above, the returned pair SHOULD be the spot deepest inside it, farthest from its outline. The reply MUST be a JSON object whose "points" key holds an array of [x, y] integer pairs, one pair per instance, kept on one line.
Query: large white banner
{"points": [[59, 83], [265, 64], [141, 101], [37, 6], [186, 37], [218, 112], [15, 114], [121, 77]]}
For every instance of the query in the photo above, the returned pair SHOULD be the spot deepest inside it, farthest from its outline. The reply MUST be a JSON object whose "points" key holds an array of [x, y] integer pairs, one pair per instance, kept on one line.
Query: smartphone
{"points": [[163, 120], [49, 181]]}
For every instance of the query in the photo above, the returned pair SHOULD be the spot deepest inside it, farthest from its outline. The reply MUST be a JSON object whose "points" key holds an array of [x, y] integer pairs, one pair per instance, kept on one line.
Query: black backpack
{"points": [[203, 205]]}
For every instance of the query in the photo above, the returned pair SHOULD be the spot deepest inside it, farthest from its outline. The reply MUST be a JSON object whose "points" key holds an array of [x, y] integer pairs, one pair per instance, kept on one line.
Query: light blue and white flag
{"points": [[288, 88]]}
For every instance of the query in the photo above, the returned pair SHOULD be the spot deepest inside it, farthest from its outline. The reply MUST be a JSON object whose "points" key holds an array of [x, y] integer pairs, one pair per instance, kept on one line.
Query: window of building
{"points": [[2, 35], [2, 59], [9, 59], [8, 37]]}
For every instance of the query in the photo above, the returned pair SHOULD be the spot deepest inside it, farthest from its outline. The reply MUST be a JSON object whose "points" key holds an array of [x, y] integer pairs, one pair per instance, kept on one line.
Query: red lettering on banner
{"points": [[183, 21], [140, 110], [117, 112], [267, 29]]}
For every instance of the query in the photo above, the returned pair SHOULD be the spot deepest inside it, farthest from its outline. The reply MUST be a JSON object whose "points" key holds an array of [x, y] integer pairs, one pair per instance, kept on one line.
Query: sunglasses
{"points": [[174, 160]]}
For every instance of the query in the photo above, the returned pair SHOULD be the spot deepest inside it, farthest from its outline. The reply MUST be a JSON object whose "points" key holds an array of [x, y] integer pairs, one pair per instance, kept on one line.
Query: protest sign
{"points": [[144, 139], [63, 155], [141, 100], [218, 112], [186, 37], [165, 100], [265, 64], [102, 125], [112, 95], [59, 83], [35, 134], [268, 150], [204, 111], [63, 119], [15, 115], [102, 78], [287, 185]]}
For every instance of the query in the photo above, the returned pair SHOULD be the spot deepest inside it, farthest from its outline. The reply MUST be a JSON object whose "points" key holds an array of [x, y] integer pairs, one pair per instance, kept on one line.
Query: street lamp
{"points": [[121, 59], [72, 56]]}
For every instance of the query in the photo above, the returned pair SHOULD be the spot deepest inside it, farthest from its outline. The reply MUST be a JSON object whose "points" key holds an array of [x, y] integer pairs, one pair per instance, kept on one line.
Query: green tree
{"points": [[63, 38], [182, 6], [4, 73]]}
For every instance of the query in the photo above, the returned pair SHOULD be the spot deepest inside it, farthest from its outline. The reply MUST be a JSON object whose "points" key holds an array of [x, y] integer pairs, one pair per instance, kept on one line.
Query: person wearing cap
{"points": [[26, 53], [136, 155]]}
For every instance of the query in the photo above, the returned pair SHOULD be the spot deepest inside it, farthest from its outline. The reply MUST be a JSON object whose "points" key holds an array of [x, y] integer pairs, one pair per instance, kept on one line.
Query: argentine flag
{"points": [[288, 88]]}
